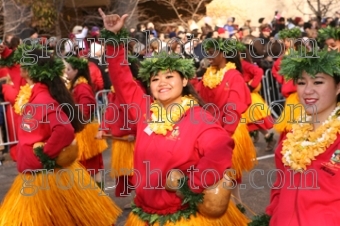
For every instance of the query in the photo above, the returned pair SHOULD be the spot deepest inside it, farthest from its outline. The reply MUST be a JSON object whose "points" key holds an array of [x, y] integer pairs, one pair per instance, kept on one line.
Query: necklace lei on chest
{"points": [[163, 120], [214, 77], [303, 144], [22, 98], [79, 80]]}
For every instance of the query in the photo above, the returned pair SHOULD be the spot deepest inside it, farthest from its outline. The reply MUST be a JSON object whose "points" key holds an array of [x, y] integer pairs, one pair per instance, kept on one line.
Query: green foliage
{"points": [[290, 33], [294, 64], [328, 33], [224, 45], [191, 199], [77, 63], [46, 161], [260, 220], [29, 62], [165, 61]]}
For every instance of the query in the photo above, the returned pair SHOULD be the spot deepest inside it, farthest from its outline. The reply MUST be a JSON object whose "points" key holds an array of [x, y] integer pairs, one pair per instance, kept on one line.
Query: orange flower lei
{"points": [[303, 144], [214, 77], [160, 124], [22, 98]]}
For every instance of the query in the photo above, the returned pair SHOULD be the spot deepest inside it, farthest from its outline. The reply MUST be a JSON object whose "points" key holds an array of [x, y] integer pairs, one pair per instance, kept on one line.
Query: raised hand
{"points": [[113, 22]]}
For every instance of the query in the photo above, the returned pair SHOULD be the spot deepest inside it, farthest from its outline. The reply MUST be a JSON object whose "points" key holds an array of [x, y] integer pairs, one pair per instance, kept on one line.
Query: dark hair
{"points": [[82, 72], [234, 59], [337, 81], [248, 56], [59, 92]]}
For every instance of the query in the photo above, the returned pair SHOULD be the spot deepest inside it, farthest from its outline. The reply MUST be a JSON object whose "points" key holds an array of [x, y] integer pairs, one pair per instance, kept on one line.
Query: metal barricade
{"points": [[102, 102], [271, 92]]}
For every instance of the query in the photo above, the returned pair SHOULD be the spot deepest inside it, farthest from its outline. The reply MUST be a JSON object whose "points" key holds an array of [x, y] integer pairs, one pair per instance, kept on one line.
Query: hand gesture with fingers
{"points": [[113, 22]]}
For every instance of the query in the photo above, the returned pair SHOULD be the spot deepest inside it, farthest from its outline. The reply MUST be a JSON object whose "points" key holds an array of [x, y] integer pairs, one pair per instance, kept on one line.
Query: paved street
{"points": [[254, 189]]}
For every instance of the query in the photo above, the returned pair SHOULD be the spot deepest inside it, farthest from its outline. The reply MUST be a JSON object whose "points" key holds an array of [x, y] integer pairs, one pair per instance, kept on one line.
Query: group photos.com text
{"points": [[308, 179], [227, 114], [229, 44]]}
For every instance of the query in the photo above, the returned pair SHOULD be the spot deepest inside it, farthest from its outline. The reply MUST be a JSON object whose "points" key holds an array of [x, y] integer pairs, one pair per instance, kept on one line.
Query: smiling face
{"points": [[167, 87], [319, 93]]}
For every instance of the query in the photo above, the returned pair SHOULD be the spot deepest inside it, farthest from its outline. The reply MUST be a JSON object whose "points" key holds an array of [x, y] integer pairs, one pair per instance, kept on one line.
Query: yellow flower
{"points": [[303, 145], [163, 122], [22, 98], [213, 77]]}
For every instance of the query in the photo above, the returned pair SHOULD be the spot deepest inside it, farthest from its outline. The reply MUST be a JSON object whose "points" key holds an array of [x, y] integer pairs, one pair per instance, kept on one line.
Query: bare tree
{"points": [[16, 16], [320, 8], [184, 10]]}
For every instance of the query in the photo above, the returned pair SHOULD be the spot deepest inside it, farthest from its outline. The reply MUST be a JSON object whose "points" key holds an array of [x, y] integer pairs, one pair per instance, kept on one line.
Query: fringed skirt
{"points": [[244, 153], [258, 115], [88, 145], [122, 158], [232, 217], [292, 110], [67, 197]]}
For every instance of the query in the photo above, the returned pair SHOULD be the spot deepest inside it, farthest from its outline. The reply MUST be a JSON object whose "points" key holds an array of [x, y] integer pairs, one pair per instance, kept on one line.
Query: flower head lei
{"points": [[164, 61], [37, 71], [328, 33], [312, 62], [290, 33], [77, 63]]}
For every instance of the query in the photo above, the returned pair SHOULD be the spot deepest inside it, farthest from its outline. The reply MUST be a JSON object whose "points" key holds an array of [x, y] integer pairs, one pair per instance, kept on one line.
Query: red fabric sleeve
{"points": [[256, 74], [10, 93], [127, 90], [216, 148], [275, 191], [83, 95], [7, 51], [275, 71], [61, 134], [96, 77], [234, 101]]}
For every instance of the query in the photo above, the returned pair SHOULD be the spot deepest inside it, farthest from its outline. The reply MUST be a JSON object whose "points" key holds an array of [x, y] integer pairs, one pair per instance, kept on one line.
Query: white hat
{"points": [[77, 29]]}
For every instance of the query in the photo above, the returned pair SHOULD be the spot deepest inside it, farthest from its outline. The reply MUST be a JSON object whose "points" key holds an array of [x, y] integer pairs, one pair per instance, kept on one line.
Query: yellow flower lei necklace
{"points": [[79, 80], [22, 98], [303, 144], [214, 77], [160, 124]]}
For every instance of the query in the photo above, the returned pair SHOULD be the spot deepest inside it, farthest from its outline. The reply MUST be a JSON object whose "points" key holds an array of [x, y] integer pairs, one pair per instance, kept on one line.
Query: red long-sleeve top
{"points": [[311, 198], [288, 87], [11, 91], [44, 126], [194, 143], [231, 97], [253, 73], [83, 96], [96, 77]]}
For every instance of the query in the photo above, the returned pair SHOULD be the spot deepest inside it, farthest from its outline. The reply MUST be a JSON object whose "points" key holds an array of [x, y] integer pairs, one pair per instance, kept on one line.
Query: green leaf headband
{"points": [[29, 62], [224, 45], [328, 33], [294, 64], [164, 61], [77, 63], [290, 33]]}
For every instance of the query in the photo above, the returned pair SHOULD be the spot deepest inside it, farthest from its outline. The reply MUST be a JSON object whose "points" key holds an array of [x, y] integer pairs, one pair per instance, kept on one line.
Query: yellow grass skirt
{"points": [[244, 153], [257, 113], [284, 123], [232, 217], [67, 197], [88, 145], [122, 158]]}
